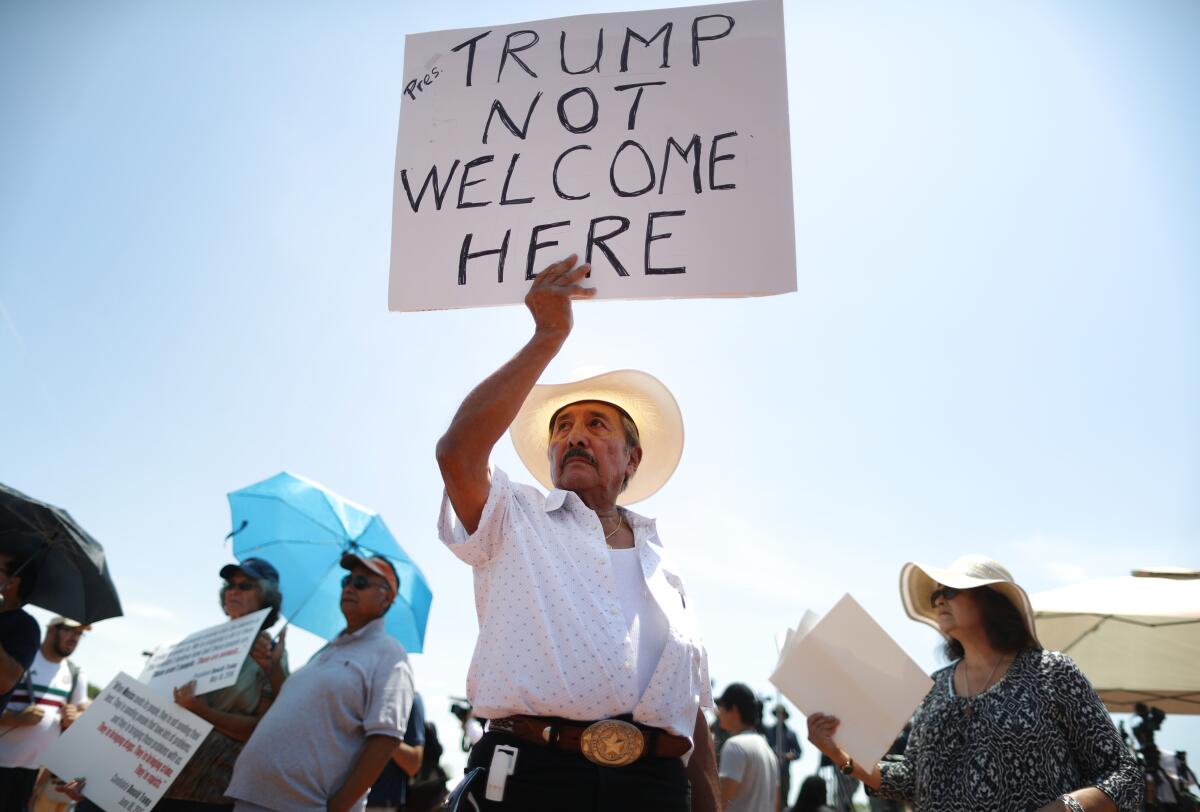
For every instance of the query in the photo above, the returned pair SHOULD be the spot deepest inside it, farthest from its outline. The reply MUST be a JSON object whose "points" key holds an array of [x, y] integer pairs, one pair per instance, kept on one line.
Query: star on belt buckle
{"points": [[612, 743]]}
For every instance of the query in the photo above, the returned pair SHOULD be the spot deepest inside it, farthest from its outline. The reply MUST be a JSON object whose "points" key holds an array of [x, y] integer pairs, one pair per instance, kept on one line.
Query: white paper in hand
{"points": [[846, 665]]}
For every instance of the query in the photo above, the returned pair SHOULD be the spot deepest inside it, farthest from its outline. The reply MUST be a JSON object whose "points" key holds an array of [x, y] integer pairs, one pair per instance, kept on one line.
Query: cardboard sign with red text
{"points": [[212, 657], [129, 745]]}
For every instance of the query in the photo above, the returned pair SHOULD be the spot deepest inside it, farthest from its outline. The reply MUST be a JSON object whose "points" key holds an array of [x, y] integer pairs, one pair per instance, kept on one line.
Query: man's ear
{"points": [[635, 459]]}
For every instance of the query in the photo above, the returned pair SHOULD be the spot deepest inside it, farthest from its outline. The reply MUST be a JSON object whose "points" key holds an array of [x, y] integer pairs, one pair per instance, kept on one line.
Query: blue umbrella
{"points": [[302, 529]]}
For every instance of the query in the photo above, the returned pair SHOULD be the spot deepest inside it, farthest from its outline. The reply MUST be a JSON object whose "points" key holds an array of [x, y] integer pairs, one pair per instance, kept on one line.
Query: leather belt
{"points": [[609, 742]]}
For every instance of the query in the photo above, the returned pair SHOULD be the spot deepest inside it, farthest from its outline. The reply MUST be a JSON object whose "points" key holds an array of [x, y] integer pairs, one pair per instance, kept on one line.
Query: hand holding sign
{"points": [[550, 295], [846, 674], [185, 696], [268, 655]]}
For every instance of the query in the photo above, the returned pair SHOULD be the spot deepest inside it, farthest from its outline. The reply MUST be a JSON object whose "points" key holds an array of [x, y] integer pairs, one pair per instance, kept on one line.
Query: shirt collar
{"points": [[557, 498], [372, 629]]}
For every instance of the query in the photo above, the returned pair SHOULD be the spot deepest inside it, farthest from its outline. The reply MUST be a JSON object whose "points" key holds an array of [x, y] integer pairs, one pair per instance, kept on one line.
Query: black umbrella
{"points": [[72, 573]]}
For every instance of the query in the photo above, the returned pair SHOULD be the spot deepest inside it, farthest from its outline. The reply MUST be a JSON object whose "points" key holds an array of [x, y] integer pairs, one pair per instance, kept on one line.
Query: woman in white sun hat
{"points": [[1008, 726]]}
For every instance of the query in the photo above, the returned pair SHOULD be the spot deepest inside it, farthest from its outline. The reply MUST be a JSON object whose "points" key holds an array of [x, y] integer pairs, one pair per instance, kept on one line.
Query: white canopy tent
{"points": [[1136, 637]]}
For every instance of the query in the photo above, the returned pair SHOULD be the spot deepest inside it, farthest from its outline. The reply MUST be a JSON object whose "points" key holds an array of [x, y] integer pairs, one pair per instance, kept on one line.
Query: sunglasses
{"points": [[241, 586], [361, 582], [947, 592]]}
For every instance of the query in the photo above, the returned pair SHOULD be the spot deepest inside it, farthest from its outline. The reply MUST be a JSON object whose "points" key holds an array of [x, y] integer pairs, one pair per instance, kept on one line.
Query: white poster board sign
{"points": [[129, 745], [213, 656], [846, 665], [653, 144]]}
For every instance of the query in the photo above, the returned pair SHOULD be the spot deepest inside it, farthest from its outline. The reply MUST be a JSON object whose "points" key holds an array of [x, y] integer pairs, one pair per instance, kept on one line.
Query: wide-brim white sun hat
{"points": [[643, 397], [918, 581]]}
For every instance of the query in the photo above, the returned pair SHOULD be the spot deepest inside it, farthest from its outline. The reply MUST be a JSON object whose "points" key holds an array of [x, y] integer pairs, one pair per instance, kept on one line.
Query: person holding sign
{"points": [[1006, 727], [50, 696], [588, 663], [338, 719], [234, 712]]}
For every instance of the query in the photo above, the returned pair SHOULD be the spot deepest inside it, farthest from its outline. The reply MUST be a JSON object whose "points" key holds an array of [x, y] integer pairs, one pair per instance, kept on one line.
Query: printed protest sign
{"points": [[129, 745], [846, 665], [654, 144], [212, 657]]}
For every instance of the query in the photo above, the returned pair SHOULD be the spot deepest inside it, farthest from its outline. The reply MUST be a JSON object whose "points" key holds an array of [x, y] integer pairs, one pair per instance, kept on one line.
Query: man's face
{"points": [[588, 448], [64, 639], [365, 595], [727, 718]]}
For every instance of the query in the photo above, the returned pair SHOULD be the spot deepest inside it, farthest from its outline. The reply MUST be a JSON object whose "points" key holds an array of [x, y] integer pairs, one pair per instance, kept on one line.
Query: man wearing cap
{"points": [[749, 770], [338, 719], [588, 662], [46, 701]]}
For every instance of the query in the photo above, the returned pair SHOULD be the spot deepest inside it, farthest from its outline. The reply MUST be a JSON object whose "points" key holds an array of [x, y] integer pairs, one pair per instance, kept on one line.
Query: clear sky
{"points": [[994, 347]]}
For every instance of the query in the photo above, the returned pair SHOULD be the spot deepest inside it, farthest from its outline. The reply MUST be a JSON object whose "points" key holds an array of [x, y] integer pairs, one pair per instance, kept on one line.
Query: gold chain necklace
{"points": [[620, 520], [969, 708]]}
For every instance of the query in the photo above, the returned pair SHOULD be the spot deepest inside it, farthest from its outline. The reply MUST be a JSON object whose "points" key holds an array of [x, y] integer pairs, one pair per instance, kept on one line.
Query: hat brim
{"points": [[385, 571], [642, 396], [918, 581]]}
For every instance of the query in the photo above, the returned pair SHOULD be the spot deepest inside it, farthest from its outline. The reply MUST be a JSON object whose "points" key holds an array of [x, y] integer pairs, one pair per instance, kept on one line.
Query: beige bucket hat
{"points": [[918, 581], [643, 397]]}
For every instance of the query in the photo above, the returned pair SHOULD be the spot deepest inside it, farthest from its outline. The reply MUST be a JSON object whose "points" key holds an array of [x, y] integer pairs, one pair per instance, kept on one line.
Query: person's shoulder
{"points": [[393, 652], [738, 742], [1048, 661], [1053, 666], [17, 624], [27, 622], [521, 491]]}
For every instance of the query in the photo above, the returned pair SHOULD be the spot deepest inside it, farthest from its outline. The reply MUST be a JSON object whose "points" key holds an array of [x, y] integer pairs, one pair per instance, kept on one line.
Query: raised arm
{"points": [[487, 412]]}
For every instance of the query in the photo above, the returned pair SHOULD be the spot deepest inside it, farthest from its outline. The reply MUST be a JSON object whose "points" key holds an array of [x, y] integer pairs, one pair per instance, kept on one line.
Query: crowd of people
{"points": [[589, 665]]}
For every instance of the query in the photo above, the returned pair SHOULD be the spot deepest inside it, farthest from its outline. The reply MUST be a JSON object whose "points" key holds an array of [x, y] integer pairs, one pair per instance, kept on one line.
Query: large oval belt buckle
{"points": [[612, 743]]}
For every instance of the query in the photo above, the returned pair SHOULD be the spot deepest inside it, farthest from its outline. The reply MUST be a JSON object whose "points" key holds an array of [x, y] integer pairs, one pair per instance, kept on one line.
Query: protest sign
{"points": [[129, 745], [654, 144], [212, 657], [846, 665]]}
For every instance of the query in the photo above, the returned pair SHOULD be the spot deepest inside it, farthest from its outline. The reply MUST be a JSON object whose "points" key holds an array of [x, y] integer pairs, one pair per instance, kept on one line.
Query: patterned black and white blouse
{"points": [[1037, 733]]}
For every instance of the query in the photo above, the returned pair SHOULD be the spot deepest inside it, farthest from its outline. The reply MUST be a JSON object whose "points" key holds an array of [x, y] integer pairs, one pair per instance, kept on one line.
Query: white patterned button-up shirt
{"points": [[552, 634]]}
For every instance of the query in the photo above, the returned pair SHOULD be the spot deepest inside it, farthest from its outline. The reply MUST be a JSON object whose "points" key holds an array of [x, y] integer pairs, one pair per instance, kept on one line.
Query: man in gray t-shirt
{"points": [[338, 719], [747, 768]]}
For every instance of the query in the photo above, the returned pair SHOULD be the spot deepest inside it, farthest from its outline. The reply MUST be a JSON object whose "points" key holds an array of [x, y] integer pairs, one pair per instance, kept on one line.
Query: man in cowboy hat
{"points": [[588, 663]]}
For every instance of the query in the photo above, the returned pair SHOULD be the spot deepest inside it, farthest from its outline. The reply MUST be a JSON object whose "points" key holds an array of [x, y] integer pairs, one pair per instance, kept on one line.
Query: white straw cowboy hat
{"points": [[918, 581], [642, 396]]}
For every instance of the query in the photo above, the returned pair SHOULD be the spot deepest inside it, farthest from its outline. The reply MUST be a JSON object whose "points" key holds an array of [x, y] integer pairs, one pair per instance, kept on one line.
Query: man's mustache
{"points": [[577, 452]]}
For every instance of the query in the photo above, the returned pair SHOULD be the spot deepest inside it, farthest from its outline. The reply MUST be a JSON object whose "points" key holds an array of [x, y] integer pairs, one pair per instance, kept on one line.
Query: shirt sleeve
{"points": [[389, 699], [733, 761], [896, 779], [25, 642], [1104, 761], [898, 773], [414, 731], [706, 697], [478, 548]]}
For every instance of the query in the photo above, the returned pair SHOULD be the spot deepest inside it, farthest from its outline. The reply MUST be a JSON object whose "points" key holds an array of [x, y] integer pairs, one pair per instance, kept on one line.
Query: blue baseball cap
{"points": [[256, 568]]}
